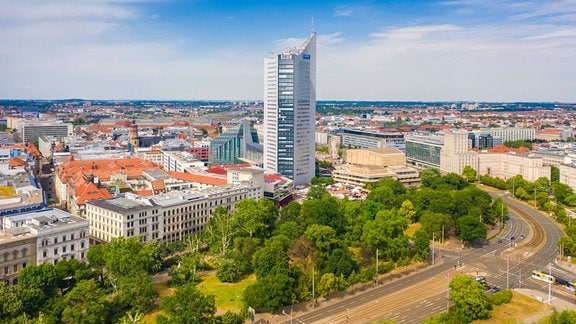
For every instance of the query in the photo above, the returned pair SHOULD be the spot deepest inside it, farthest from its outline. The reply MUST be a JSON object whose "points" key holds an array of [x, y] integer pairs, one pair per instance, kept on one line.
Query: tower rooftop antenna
{"points": [[312, 27]]}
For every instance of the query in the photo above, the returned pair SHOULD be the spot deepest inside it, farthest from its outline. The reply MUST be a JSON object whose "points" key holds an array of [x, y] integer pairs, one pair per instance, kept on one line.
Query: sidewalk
{"points": [[557, 303]]}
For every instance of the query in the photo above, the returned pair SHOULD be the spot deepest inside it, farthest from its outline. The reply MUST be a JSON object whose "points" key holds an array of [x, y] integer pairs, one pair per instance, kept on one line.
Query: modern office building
{"points": [[512, 133], [236, 145], [423, 152], [355, 138], [290, 112], [31, 131]]}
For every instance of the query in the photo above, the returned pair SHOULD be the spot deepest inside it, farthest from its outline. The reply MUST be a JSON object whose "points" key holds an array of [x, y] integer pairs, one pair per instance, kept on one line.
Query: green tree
{"points": [[561, 191], [469, 173], [271, 257], [316, 191], [522, 194], [36, 285], [135, 292], [470, 228], [253, 217], [428, 177], [322, 237], [330, 283], [470, 299], [325, 211], [407, 211], [384, 195], [188, 306], [132, 318], [386, 233], [10, 304], [85, 303], [554, 173], [290, 212], [435, 223], [340, 262], [499, 210], [221, 230], [421, 245], [271, 292], [567, 316]]}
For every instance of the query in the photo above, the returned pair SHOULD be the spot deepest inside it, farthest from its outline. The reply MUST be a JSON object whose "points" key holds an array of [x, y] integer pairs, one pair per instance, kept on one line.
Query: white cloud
{"points": [[27, 10], [342, 12], [449, 62]]}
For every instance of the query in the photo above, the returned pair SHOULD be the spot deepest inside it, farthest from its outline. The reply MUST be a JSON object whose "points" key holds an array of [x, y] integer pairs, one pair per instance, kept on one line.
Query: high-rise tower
{"points": [[290, 112]]}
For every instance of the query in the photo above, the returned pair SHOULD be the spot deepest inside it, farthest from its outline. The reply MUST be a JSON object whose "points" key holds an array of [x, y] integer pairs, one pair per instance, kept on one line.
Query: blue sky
{"points": [[470, 50]]}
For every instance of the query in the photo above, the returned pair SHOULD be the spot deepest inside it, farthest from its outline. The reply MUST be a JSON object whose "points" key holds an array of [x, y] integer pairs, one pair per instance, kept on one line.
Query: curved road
{"points": [[504, 262]]}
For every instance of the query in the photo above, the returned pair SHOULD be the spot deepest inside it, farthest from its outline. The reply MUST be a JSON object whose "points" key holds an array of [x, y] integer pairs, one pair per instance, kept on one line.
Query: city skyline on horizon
{"points": [[447, 50]]}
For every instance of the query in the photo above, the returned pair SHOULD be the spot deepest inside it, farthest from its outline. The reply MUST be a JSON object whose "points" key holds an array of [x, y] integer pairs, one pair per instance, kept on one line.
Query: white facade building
{"points": [[455, 154], [55, 234], [180, 161], [166, 217], [290, 112]]}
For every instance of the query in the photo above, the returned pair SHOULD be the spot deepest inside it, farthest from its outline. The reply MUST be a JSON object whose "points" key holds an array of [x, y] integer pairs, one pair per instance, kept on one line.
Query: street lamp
{"points": [[289, 315], [549, 283]]}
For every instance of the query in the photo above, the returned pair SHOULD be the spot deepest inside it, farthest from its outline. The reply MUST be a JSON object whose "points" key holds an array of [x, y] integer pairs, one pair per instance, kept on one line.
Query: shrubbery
{"points": [[501, 297]]}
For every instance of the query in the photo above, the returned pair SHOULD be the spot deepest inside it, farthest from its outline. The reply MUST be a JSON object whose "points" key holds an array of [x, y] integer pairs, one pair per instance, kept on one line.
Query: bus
{"points": [[539, 275]]}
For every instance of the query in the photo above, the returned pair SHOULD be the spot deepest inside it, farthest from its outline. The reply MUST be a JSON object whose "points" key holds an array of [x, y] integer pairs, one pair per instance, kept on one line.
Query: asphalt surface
{"points": [[527, 242]]}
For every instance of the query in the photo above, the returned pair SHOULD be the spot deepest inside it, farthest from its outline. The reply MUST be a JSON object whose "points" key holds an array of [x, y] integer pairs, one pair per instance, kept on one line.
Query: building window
{"points": [[44, 253], [15, 268], [72, 236], [71, 247], [5, 270], [56, 251], [82, 244], [23, 265], [63, 249]]}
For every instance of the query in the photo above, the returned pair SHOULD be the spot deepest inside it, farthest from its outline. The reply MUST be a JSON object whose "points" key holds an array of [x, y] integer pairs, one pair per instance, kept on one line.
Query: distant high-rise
{"points": [[290, 112]]}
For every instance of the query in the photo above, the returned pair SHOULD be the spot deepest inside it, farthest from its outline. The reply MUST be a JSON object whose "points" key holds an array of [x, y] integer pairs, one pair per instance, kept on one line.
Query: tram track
{"points": [[537, 237]]}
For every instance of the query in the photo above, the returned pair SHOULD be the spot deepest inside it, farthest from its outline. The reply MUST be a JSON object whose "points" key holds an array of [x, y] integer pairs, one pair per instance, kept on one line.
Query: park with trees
{"points": [[331, 242]]}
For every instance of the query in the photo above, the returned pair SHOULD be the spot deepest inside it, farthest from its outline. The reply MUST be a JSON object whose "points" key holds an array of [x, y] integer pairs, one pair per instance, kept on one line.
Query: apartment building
{"points": [[45, 236], [167, 217]]}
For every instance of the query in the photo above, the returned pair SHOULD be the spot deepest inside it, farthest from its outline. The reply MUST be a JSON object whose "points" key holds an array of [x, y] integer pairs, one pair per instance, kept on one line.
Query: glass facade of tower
{"points": [[290, 111], [286, 115], [423, 153]]}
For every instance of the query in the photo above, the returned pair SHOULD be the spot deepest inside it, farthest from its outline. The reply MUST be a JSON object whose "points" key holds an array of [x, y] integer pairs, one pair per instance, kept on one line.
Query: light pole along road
{"points": [[413, 298]]}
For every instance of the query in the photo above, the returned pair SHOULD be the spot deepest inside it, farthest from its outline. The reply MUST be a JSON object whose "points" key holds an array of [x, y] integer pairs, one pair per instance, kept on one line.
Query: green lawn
{"points": [[210, 285], [224, 292]]}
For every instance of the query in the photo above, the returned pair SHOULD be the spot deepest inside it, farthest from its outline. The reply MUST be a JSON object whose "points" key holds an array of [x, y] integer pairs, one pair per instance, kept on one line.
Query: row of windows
{"points": [[15, 253], [64, 249], [14, 268]]}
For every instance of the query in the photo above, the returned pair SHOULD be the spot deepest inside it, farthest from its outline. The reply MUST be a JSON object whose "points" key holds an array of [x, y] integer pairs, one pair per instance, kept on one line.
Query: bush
{"points": [[501, 297]]}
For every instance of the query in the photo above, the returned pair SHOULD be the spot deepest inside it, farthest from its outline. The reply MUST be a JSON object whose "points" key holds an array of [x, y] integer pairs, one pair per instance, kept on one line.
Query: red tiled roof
{"points": [[144, 192], [158, 185], [504, 149], [16, 162], [199, 178], [89, 191], [272, 177]]}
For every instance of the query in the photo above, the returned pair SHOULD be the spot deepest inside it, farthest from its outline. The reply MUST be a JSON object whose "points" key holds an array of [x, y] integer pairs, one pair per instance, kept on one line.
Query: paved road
{"points": [[505, 262]]}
